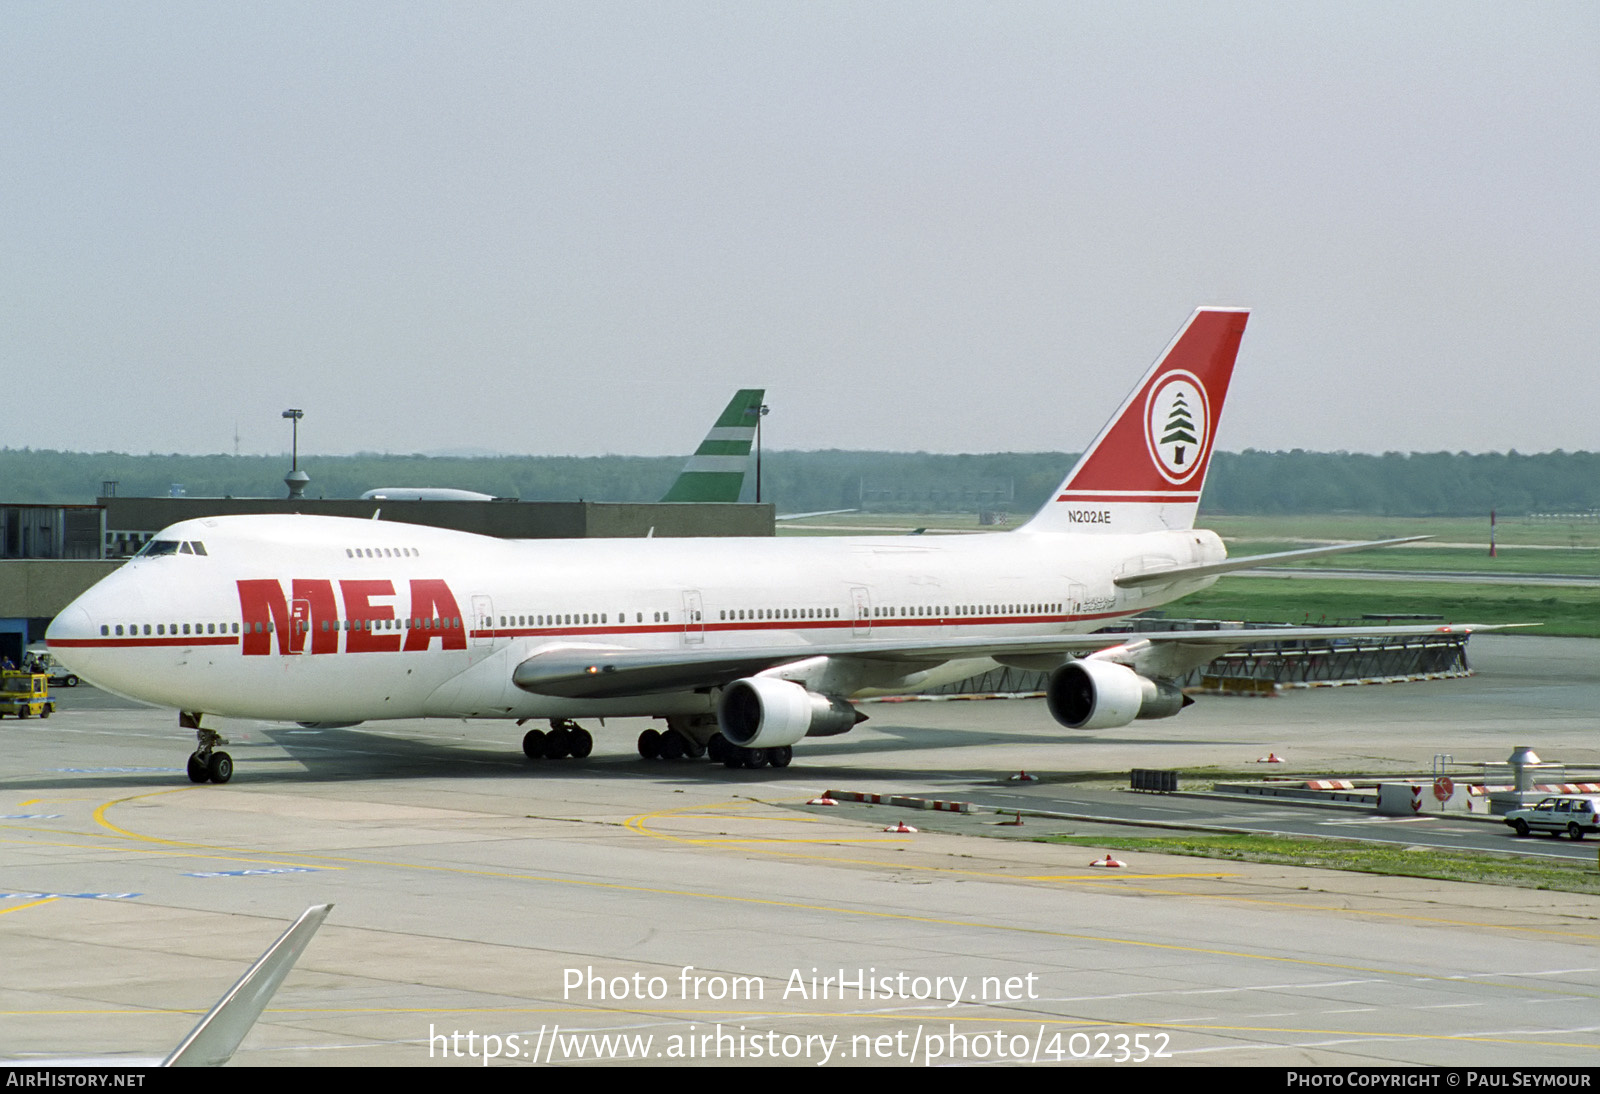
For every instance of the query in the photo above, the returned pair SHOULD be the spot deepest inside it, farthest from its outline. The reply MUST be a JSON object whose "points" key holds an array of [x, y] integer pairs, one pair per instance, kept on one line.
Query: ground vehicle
{"points": [[25, 694], [1574, 814], [60, 676]]}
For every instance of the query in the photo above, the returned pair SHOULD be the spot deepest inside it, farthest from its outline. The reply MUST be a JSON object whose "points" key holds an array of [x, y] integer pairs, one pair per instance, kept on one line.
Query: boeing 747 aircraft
{"points": [[743, 647]]}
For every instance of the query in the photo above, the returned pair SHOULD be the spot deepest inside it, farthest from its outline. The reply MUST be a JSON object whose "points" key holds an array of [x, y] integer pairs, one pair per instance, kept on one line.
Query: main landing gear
{"points": [[206, 764], [731, 756], [670, 745], [685, 738], [566, 738], [679, 741]]}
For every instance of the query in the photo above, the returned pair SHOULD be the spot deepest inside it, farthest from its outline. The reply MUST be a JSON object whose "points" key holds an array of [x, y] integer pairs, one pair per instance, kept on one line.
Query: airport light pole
{"points": [[760, 412], [296, 479], [295, 415]]}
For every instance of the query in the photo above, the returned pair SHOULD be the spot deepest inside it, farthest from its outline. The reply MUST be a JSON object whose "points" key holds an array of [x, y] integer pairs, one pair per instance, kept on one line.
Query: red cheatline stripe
{"points": [[113, 643], [1105, 499], [1088, 492]]}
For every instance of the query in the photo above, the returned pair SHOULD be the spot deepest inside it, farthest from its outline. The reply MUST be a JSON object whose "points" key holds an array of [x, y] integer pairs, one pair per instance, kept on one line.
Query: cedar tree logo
{"points": [[1177, 418]]}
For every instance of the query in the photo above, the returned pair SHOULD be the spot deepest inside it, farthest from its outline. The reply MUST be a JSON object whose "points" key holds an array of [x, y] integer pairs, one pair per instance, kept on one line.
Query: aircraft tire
{"points": [[197, 769], [755, 758], [717, 748], [557, 743], [533, 744], [650, 744], [220, 767], [672, 745], [582, 744], [781, 757]]}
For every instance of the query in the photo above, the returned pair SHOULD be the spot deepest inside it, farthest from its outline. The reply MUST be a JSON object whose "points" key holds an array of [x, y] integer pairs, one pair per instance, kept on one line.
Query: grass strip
{"points": [[1358, 857], [1573, 612]]}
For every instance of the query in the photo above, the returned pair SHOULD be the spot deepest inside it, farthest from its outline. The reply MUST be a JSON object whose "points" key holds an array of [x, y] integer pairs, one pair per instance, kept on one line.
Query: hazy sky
{"points": [[576, 228]]}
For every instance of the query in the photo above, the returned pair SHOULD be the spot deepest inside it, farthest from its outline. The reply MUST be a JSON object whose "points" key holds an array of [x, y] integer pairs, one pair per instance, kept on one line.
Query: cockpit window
{"points": [[171, 547]]}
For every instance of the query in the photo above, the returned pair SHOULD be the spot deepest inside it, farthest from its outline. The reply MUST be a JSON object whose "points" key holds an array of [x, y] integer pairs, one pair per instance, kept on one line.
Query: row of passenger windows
{"points": [[382, 552], [163, 629], [960, 610], [170, 628], [378, 625], [796, 614], [578, 619], [737, 614]]}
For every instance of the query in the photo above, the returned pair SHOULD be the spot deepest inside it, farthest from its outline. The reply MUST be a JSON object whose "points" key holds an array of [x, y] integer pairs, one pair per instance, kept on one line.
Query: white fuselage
{"points": [[322, 619]]}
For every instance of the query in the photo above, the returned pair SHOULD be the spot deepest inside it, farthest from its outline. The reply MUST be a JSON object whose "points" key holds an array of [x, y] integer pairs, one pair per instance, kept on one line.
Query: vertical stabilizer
{"points": [[716, 470], [1145, 470]]}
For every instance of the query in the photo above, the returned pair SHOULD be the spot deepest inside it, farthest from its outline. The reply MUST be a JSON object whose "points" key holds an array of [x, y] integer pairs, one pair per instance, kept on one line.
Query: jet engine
{"points": [[764, 712], [1091, 694]]}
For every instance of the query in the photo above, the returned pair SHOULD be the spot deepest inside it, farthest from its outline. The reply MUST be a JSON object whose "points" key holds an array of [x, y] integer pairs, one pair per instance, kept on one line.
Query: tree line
{"points": [[1249, 482]]}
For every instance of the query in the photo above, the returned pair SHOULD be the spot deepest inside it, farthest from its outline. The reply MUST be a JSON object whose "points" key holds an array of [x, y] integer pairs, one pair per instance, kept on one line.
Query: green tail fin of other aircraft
{"points": [[716, 470]]}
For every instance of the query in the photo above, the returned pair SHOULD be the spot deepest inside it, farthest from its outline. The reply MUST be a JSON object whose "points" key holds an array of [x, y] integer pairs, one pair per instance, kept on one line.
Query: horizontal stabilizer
{"points": [[1250, 562]]}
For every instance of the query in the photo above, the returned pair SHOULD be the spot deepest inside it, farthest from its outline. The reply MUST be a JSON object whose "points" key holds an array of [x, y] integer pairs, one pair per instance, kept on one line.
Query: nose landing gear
{"points": [[206, 764]]}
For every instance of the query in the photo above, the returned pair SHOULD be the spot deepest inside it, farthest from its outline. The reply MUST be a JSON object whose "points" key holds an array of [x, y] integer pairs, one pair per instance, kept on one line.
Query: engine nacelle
{"points": [[1090, 694], [763, 712]]}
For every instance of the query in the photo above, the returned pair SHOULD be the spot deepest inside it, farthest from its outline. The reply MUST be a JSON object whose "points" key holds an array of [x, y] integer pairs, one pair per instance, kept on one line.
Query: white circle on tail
{"points": [[1177, 422]]}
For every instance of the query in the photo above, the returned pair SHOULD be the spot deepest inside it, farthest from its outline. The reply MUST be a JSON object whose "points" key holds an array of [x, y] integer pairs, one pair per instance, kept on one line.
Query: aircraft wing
{"points": [[817, 513], [591, 672], [218, 1035], [213, 1041]]}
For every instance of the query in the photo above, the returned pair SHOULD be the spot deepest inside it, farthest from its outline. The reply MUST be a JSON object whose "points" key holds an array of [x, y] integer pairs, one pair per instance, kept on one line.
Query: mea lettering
{"points": [[310, 609]]}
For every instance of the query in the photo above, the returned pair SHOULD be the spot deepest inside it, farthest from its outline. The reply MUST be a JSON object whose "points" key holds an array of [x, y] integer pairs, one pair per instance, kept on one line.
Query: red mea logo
{"points": [[310, 609]]}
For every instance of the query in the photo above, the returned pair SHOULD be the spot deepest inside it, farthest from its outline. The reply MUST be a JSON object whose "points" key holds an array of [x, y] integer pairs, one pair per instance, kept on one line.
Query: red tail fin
{"points": [[1145, 470]]}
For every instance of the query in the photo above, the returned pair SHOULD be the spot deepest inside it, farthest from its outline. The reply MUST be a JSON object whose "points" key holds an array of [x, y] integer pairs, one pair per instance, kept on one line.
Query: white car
{"points": [[1574, 814]]}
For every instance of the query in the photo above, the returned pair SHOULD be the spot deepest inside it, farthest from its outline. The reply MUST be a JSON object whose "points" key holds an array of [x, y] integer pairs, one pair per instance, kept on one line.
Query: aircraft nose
{"points": [[68, 638], [73, 622]]}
